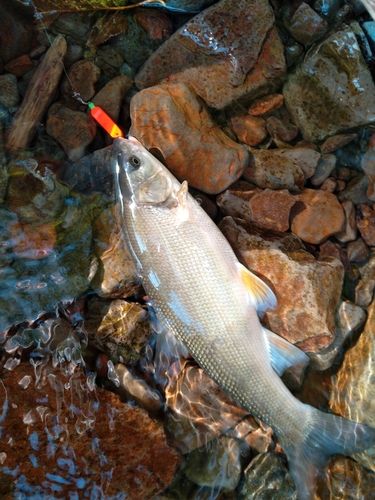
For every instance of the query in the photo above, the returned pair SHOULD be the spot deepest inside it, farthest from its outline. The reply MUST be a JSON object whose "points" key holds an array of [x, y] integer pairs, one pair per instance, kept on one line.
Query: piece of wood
{"points": [[38, 97]]}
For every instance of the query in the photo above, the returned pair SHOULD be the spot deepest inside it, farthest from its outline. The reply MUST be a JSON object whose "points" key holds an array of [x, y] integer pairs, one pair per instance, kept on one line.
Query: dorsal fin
{"points": [[261, 294]]}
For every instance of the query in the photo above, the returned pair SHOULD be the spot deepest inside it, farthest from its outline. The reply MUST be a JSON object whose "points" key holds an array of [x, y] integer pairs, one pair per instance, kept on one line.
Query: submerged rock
{"points": [[171, 119], [332, 90], [230, 52], [294, 275]]}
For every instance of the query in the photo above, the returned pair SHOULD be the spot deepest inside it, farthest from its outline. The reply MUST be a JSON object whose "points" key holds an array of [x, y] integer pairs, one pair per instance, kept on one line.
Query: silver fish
{"points": [[210, 302]]}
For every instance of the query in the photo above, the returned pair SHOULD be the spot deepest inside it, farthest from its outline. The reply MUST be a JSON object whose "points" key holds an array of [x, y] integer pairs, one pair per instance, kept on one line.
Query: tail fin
{"points": [[327, 435]]}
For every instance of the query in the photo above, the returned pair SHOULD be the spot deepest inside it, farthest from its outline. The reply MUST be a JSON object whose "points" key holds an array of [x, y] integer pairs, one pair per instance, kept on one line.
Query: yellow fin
{"points": [[182, 193], [261, 294]]}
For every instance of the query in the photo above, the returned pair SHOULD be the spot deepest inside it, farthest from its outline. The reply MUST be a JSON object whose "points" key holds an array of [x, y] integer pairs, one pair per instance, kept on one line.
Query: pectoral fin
{"points": [[283, 354], [261, 295], [182, 194]]}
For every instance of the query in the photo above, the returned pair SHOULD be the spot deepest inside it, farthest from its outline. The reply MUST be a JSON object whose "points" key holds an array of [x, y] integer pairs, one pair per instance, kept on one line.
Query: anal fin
{"points": [[283, 354]]}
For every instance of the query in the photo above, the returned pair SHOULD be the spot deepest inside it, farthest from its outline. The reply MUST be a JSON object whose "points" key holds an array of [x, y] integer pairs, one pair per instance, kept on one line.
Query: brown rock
{"points": [[356, 190], [33, 242], [266, 104], [304, 157], [157, 24], [329, 185], [316, 216], [172, 119], [305, 25], [357, 251], [349, 233], [242, 68], [235, 201], [336, 142], [283, 131], [330, 249], [17, 34], [249, 129], [364, 292], [82, 78], [111, 95], [62, 432], [269, 170], [308, 291], [271, 209], [368, 166], [19, 66], [324, 169], [366, 224]]}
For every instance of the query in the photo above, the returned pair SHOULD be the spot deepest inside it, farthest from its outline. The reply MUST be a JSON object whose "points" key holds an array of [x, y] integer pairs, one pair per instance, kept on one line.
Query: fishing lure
{"points": [[105, 121]]}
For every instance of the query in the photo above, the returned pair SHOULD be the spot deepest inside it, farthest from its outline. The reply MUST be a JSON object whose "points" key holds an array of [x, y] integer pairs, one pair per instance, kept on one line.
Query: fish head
{"points": [[140, 177]]}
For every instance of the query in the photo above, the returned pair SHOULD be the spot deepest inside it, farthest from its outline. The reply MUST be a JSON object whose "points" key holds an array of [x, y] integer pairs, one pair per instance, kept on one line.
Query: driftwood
{"points": [[38, 97]]}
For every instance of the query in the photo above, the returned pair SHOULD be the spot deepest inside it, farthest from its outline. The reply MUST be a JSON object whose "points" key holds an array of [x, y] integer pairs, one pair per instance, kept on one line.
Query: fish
{"points": [[211, 303]]}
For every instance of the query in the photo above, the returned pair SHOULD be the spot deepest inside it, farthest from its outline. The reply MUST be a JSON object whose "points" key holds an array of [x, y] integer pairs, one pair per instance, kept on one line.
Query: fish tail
{"points": [[325, 435]]}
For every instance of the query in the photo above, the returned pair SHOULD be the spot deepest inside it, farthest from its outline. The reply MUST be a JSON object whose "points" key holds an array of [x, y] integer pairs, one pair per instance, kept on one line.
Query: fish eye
{"points": [[134, 161]]}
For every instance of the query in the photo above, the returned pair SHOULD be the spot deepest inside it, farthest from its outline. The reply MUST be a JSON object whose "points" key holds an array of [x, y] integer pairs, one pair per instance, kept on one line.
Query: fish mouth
{"points": [[126, 145]]}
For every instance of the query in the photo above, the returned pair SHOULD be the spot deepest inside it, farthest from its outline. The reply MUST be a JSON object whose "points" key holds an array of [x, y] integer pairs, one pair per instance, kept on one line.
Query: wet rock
{"points": [[82, 78], [271, 171], [103, 445], [366, 224], [305, 158], [74, 130], [249, 129], [17, 34], [116, 275], [172, 119], [316, 216], [364, 292], [313, 286], [267, 477], [111, 95], [190, 57], [266, 104], [356, 191], [324, 169], [353, 386], [110, 56], [349, 319], [336, 142], [235, 201], [19, 66], [349, 233], [9, 96], [271, 209], [329, 185], [323, 106], [368, 166], [357, 251], [330, 249], [157, 24], [305, 25], [294, 53], [118, 328], [32, 242], [283, 131]]}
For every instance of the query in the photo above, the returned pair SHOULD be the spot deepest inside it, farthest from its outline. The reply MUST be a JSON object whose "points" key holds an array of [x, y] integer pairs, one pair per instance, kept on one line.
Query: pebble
{"points": [[357, 251], [74, 130], [331, 249], [111, 56], [33, 242], [37, 51], [323, 105], [280, 130], [111, 96], [271, 209], [324, 169], [9, 96], [316, 216], [308, 291], [265, 105], [366, 224], [82, 78], [356, 190], [368, 167], [305, 25], [235, 201], [336, 142], [349, 233], [340, 185], [329, 185], [19, 66], [364, 292], [249, 129], [172, 119], [189, 56], [269, 170], [305, 157]]}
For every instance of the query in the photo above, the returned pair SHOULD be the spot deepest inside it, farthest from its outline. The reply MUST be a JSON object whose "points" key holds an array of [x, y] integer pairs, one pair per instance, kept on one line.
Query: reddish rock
{"points": [[242, 68], [19, 66], [249, 129], [271, 209], [17, 34], [82, 78], [33, 242], [316, 216], [329, 185], [283, 131], [269, 170], [111, 95], [349, 233], [157, 24], [357, 251], [304, 157], [330, 249], [62, 435], [364, 292], [324, 169], [340, 185], [336, 142], [266, 104], [366, 224], [305, 25], [356, 190], [343, 173], [173, 120], [308, 291], [235, 201], [72, 129]]}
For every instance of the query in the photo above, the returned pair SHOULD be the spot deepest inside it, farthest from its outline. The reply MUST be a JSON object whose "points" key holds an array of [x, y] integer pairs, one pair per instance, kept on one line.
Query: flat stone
{"points": [[332, 91], [235, 201], [305, 25], [244, 32], [305, 158], [110, 97], [271, 209], [281, 130], [316, 216], [173, 120], [266, 104], [357, 251], [19, 66], [336, 142], [349, 233], [269, 170], [324, 169], [82, 78], [308, 291], [366, 224], [356, 190], [249, 129]]}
